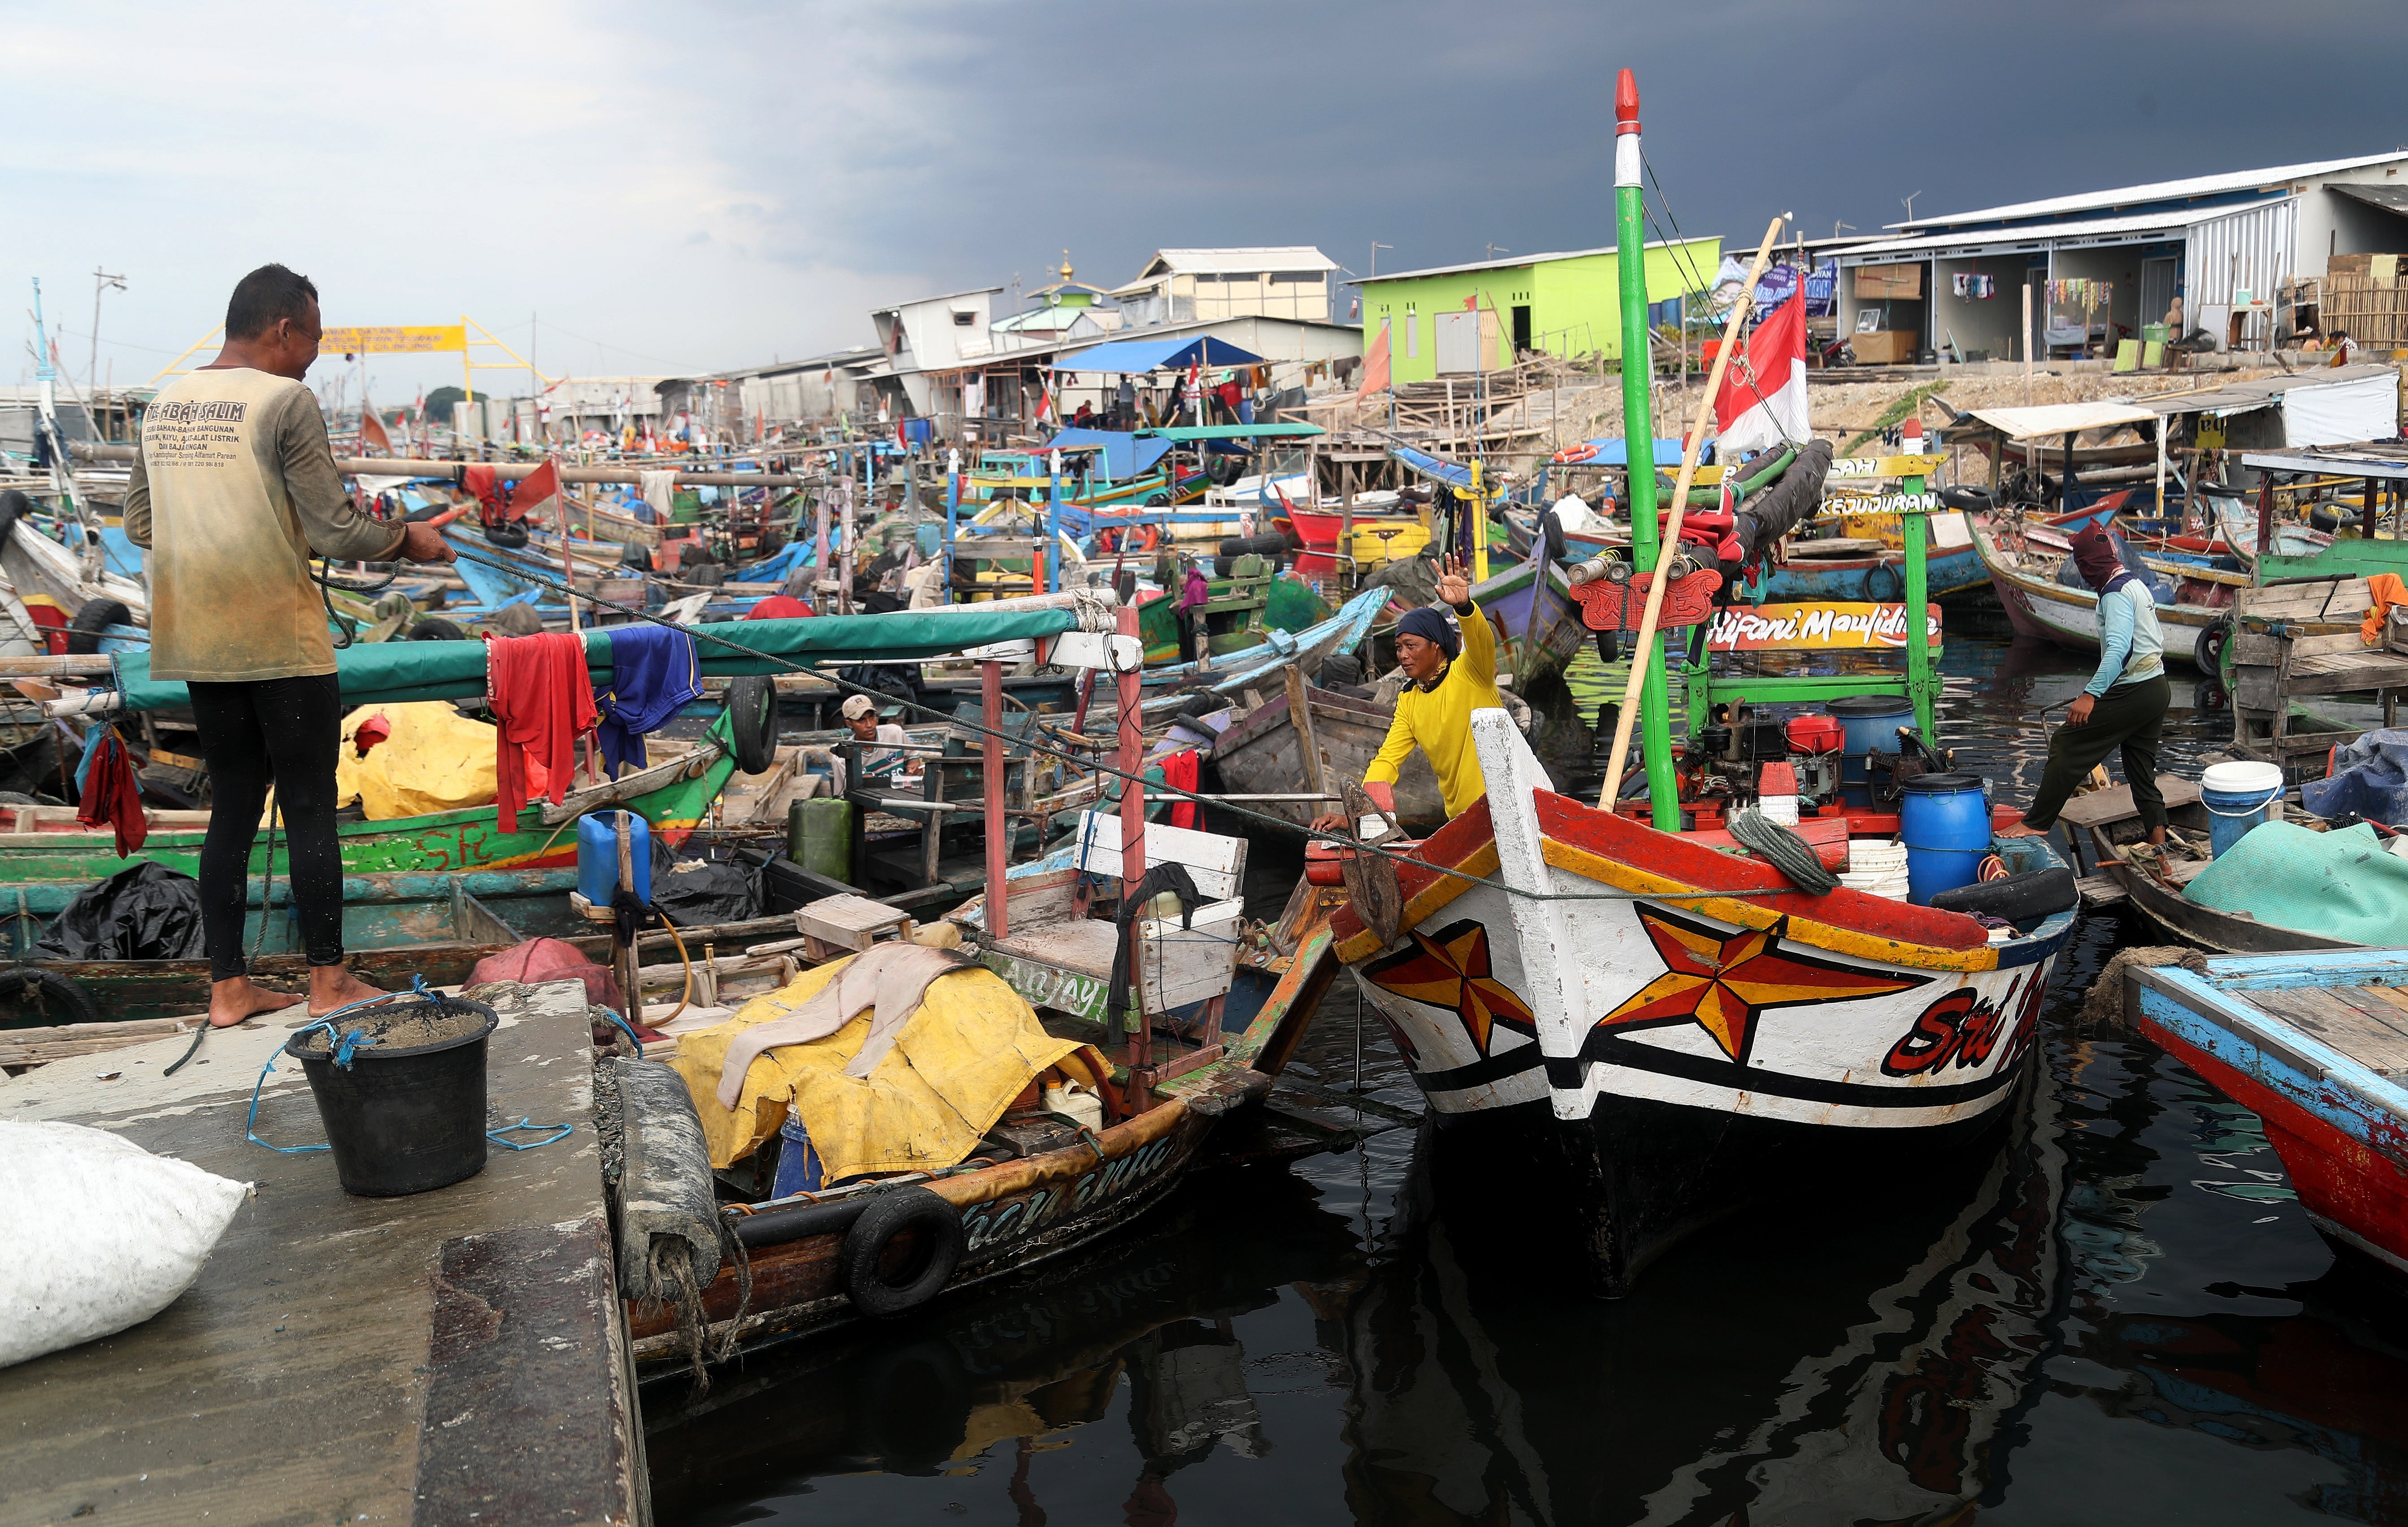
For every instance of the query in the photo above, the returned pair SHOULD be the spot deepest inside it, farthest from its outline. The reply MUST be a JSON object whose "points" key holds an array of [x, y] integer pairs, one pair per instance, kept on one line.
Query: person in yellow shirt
{"points": [[1452, 675]]}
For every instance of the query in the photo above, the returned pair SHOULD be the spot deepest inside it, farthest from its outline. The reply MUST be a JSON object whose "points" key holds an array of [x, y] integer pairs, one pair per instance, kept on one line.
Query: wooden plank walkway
{"points": [[450, 1357]]}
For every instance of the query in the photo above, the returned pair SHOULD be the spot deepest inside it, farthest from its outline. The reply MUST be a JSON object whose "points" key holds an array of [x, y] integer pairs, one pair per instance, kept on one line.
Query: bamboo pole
{"points": [[1672, 537]]}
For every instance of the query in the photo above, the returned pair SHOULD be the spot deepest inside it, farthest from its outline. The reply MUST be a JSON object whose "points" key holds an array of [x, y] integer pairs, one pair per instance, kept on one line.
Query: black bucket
{"points": [[406, 1120]]}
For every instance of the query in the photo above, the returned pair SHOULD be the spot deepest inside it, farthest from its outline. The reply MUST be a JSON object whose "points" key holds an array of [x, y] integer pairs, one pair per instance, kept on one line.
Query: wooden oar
{"points": [[1671, 539]]}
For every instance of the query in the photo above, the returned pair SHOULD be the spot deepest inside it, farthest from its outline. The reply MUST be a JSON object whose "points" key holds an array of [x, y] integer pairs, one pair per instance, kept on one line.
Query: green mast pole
{"points": [[1638, 435]]}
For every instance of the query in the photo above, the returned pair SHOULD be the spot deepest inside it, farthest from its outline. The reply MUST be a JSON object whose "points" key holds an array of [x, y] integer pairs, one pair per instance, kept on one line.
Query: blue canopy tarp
{"points": [[1126, 454], [1431, 466], [1141, 355], [1615, 452]]}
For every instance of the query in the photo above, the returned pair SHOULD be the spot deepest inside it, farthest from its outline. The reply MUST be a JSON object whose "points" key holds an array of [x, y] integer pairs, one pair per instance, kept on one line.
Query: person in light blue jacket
{"points": [[2124, 704]]}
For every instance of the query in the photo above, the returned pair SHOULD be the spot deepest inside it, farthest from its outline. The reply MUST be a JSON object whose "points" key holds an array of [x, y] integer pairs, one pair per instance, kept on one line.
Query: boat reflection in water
{"points": [[1883, 1353]]}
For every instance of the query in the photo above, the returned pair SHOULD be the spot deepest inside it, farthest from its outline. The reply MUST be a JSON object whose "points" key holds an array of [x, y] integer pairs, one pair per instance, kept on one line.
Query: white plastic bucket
{"points": [[1871, 856], [2236, 796], [1888, 883]]}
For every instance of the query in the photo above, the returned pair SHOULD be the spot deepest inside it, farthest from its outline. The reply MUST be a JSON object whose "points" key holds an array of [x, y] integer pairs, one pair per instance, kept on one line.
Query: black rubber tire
{"points": [[753, 720], [1157, 501], [1874, 580], [1974, 499], [2324, 520], [2019, 898], [2207, 652], [83, 632], [433, 630], [2211, 695], [32, 997], [1340, 668], [1223, 566], [508, 534], [940, 1227]]}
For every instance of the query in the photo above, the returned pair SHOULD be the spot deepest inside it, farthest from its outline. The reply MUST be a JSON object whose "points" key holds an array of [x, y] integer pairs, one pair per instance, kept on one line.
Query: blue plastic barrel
{"points": [[1944, 822], [2237, 797], [1867, 723], [597, 855]]}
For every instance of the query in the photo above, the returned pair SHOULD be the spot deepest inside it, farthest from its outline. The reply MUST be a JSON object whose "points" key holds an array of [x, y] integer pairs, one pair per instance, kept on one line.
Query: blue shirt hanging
{"points": [[653, 673]]}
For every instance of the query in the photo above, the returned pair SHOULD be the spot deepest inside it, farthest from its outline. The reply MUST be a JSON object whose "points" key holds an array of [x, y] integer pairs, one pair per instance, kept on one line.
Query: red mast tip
{"points": [[1625, 98]]}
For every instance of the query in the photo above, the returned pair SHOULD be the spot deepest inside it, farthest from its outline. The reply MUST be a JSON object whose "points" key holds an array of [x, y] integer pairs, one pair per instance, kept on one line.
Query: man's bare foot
{"points": [[231, 1002], [335, 986]]}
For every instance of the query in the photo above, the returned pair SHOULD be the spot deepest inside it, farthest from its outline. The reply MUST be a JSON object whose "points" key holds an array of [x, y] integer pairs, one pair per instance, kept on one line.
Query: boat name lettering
{"points": [[1115, 1175], [993, 1223], [1797, 627], [1962, 1027]]}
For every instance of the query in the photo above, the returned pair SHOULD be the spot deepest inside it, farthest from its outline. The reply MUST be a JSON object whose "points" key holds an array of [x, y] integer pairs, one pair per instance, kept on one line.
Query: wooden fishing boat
{"points": [[2312, 1043], [1539, 625], [1262, 754], [1671, 1030], [1240, 612], [1078, 1185], [2112, 822], [2037, 605]]}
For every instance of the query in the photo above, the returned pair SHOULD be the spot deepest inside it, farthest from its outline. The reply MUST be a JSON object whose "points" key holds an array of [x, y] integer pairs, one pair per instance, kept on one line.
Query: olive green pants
{"points": [[2129, 717]]}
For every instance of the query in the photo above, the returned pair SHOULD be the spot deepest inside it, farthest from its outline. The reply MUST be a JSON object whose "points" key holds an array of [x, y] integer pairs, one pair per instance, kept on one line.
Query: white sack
{"points": [[102, 1234]]}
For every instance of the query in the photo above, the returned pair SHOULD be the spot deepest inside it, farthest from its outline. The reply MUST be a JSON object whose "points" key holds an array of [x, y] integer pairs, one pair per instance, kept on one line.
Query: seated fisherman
{"points": [[861, 716], [1453, 674], [2124, 704]]}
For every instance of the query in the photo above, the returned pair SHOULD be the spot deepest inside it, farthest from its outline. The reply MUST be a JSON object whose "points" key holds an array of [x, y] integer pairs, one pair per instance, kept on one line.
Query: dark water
{"points": [[2111, 1311]]}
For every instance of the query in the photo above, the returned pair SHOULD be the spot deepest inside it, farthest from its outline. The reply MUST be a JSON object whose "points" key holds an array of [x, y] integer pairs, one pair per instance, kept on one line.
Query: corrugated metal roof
{"points": [[2161, 191], [2373, 459], [2390, 198], [941, 296], [2242, 396], [2173, 222], [1236, 261], [1513, 262]]}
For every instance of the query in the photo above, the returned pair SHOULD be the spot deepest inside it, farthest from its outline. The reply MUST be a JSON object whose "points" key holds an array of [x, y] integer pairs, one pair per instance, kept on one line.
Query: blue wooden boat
{"points": [[2314, 1043]]}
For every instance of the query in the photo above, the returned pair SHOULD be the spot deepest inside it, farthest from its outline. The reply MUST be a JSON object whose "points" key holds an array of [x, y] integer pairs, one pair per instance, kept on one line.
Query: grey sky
{"points": [[706, 185]]}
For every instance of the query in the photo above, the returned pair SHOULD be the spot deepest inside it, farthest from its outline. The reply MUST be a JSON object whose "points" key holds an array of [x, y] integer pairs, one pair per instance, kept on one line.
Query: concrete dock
{"points": [[450, 1358]]}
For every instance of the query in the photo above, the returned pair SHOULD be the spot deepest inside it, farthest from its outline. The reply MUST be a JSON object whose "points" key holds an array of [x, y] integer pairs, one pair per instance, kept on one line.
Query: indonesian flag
{"points": [[1763, 399], [1045, 398], [372, 431]]}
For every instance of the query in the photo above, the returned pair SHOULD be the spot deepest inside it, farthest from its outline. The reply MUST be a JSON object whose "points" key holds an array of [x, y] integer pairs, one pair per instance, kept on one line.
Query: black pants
{"points": [[281, 732], [2129, 717]]}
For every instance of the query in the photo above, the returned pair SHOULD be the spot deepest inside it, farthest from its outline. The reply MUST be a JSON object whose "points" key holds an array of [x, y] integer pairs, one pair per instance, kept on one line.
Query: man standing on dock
{"points": [[234, 487], [1451, 674], [2124, 704]]}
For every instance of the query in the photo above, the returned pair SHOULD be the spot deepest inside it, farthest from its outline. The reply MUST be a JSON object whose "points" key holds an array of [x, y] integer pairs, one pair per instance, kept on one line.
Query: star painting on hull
{"points": [[1452, 970], [1722, 981]]}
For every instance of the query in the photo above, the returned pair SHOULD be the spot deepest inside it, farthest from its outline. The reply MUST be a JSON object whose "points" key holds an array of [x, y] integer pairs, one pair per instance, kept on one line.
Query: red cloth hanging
{"points": [[1179, 772], [542, 700], [779, 606], [112, 796]]}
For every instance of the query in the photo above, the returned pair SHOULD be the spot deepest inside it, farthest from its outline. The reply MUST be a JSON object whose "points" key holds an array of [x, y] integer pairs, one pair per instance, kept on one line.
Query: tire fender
{"points": [[897, 1212], [752, 721], [48, 996]]}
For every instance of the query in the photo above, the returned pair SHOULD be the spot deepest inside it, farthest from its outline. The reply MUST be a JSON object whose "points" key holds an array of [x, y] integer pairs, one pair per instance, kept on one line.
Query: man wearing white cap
{"points": [[861, 714]]}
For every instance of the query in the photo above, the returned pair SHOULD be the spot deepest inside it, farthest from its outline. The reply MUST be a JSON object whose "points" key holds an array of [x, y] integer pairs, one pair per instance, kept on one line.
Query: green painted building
{"points": [[1567, 304]]}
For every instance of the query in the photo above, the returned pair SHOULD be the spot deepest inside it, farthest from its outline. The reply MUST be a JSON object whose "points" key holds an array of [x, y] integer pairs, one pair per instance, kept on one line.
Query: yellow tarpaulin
{"points": [[971, 1049], [436, 760]]}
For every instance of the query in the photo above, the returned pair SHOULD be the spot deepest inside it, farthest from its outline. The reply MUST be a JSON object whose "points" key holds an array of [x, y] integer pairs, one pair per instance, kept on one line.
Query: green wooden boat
{"points": [[1237, 621]]}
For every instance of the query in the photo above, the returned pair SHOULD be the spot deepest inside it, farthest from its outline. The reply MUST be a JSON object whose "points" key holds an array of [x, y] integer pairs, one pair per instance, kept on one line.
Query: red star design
{"points": [[1453, 971], [1722, 983]]}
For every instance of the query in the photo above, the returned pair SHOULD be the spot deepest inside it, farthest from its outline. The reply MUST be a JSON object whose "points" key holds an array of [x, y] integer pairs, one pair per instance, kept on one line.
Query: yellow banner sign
{"points": [[369, 340]]}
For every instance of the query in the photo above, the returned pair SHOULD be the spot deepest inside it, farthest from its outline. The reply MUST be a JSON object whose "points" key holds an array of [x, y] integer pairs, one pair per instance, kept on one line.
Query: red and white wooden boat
{"points": [[2314, 1042]]}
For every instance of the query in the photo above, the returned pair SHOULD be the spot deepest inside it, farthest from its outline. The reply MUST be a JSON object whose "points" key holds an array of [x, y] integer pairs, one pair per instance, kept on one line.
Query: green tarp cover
{"points": [[388, 672], [2336, 885]]}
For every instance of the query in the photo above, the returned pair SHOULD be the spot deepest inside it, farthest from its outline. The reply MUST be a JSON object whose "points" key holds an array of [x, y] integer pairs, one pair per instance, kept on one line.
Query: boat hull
{"points": [[1533, 602], [1260, 755], [2045, 609], [2336, 1123], [1625, 988]]}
